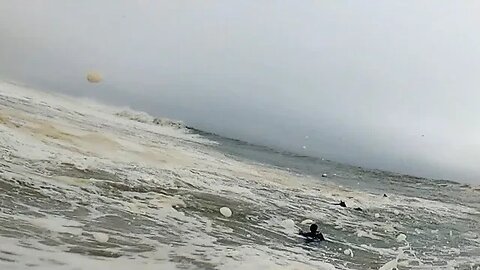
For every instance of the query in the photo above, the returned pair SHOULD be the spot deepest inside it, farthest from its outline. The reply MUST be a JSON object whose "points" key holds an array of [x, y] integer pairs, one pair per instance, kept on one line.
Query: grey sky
{"points": [[363, 79]]}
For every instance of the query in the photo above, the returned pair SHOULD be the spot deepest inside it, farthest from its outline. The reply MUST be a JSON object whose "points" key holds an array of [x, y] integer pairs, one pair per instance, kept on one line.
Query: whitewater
{"points": [[89, 186]]}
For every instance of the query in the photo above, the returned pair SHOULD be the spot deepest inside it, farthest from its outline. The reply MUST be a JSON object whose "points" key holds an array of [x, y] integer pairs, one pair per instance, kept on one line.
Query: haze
{"points": [[384, 84]]}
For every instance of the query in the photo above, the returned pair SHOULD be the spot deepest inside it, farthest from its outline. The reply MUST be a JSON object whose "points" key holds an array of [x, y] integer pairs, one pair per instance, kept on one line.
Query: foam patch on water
{"points": [[307, 222], [369, 234], [401, 237], [246, 258], [226, 212], [25, 253], [101, 237], [288, 224]]}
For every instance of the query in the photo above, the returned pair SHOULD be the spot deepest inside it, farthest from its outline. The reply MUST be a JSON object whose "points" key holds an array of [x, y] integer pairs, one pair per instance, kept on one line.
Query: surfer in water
{"points": [[313, 234], [342, 204]]}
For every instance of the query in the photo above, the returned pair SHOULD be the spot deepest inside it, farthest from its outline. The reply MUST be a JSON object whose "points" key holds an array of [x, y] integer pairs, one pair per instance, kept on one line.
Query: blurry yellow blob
{"points": [[94, 77]]}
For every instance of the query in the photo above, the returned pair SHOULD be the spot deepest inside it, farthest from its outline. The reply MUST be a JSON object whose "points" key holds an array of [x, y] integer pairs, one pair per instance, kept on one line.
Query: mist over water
{"points": [[389, 85]]}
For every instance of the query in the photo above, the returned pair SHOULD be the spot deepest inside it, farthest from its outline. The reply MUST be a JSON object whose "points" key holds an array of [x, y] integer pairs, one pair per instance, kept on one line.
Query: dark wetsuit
{"points": [[312, 235], [342, 204]]}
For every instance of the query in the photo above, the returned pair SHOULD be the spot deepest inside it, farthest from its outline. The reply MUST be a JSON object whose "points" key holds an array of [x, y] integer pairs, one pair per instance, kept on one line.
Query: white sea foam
{"points": [[226, 212], [101, 237], [154, 190]]}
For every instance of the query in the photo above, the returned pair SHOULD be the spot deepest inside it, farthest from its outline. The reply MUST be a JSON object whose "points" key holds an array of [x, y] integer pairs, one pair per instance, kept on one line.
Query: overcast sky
{"points": [[363, 79]]}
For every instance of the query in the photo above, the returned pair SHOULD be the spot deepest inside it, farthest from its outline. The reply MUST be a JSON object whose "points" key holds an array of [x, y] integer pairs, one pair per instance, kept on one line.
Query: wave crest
{"points": [[146, 118]]}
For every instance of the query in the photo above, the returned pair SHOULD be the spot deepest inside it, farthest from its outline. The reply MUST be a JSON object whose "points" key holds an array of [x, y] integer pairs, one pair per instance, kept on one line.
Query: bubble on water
{"points": [[307, 222], [348, 252], [304, 147], [396, 212], [288, 223], [377, 215], [100, 237], [451, 233], [324, 175], [401, 237], [225, 211]]}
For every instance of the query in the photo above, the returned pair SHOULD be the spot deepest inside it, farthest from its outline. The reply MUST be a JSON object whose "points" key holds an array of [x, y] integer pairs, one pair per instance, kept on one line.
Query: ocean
{"points": [[89, 186]]}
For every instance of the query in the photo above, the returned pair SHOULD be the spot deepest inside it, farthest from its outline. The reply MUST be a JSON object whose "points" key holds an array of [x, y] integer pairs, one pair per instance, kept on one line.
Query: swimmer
{"points": [[342, 204], [313, 234]]}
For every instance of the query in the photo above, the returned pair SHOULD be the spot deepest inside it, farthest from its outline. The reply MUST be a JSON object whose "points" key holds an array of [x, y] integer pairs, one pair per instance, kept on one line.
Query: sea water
{"points": [[90, 186]]}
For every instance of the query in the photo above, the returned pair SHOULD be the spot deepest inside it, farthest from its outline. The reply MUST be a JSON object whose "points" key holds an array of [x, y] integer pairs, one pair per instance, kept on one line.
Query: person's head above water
{"points": [[313, 234]]}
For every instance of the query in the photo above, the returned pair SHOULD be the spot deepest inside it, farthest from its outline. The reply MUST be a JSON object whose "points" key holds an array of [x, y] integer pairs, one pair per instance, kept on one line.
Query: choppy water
{"points": [[84, 187]]}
